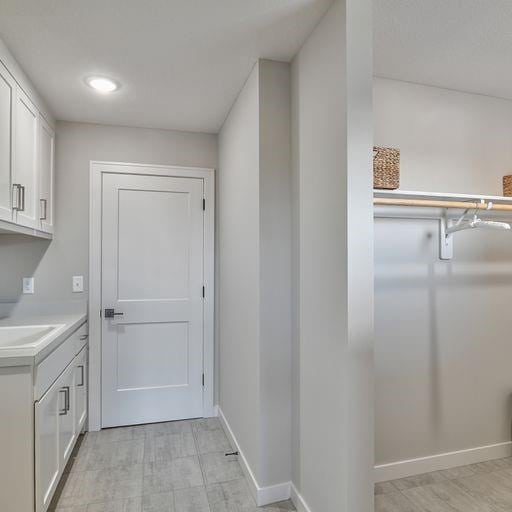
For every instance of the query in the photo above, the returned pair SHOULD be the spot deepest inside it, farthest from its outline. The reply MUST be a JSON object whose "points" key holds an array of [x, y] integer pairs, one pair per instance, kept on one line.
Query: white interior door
{"points": [[152, 277]]}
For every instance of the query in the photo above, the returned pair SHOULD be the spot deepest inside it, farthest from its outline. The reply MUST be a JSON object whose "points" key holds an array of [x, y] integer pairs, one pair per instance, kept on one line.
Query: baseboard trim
{"points": [[404, 468], [298, 500], [262, 495]]}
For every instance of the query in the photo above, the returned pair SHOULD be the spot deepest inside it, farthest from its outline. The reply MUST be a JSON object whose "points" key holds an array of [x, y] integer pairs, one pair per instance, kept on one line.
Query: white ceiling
{"points": [[180, 62], [457, 44]]}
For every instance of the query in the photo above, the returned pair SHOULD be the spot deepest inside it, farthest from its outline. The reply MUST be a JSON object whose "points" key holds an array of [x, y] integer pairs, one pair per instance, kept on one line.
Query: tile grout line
{"points": [[196, 444]]}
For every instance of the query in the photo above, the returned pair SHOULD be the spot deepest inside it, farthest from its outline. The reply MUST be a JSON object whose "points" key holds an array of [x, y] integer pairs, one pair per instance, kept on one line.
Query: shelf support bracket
{"points": [[445, 241]]}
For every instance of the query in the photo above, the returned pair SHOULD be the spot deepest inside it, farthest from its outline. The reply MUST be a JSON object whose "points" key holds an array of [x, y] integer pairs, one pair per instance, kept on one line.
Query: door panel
{"points": [[67, 432], [164, 273], [7, 95], [81, 390], [47, 457], [152, 273], [46, 169], [163, 357], [26, 160]]}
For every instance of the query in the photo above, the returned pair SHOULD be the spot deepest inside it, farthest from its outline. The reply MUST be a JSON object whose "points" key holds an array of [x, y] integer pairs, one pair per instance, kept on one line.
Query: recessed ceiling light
{"points": [[102, 84]]}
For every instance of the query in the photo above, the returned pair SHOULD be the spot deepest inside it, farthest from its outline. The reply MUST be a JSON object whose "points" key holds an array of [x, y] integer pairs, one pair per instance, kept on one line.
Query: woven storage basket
{"points": [[507, 186], [386, 168]]}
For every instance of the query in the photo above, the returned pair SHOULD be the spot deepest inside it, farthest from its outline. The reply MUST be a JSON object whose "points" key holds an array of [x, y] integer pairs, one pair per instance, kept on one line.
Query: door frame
{"points": [[97, 169]]}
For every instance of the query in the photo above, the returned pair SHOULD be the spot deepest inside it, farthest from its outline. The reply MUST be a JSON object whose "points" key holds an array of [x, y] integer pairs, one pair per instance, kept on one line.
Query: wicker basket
{"points": [[386, 168], [507, 186]]}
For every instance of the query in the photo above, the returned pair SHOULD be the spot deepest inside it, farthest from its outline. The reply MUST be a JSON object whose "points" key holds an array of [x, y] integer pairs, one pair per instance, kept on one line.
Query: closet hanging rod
{"points": [[432, 203]]}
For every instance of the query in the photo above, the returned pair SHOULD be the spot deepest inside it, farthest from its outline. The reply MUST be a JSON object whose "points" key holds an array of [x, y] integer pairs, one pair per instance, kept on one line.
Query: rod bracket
{"points": [[445, 240]]}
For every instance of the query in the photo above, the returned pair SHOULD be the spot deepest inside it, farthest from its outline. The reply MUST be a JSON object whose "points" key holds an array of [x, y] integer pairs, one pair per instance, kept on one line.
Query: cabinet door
{"points": [[7, 96], [47, 456], [46, 175], [81, 390], [67, 432], [24, 179]]}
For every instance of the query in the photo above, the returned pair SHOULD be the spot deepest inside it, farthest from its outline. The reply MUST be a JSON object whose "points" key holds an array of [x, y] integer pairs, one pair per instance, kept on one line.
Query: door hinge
{"points": [[203, 380], [204, 292], [204, 204]]}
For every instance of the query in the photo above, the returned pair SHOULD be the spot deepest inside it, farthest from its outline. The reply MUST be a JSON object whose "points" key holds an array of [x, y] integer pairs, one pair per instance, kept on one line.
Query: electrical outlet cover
{"points": [[28, 285], [78, 284]]}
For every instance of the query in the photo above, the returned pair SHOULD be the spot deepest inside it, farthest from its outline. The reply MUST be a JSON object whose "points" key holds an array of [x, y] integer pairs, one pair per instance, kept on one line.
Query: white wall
{"points": [[333, 359], [443, 350], [254, 240], [53, 264]]}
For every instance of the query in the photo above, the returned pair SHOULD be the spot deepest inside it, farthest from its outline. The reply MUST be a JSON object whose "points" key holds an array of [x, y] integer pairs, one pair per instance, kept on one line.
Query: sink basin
{"points": [[25, 336]]}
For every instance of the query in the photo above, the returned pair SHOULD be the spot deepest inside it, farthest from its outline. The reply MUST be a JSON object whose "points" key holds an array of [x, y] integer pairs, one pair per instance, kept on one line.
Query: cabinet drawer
{"points": [[47, 372], [81, 336]]}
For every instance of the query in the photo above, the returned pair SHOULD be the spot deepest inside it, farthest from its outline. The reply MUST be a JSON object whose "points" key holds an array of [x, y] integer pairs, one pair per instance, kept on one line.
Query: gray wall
{"points": [[443, 350], [53, 264], [332, 354], [275, 270], [254, 237], [238, 283]]}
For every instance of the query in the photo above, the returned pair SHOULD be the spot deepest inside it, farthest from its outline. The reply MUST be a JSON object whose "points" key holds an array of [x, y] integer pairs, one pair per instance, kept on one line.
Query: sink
{"points": [[29, 336]]}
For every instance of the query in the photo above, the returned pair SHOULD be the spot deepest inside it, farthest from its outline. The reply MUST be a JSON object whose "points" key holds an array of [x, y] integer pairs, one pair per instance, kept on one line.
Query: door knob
{"points": [[111, 313]]}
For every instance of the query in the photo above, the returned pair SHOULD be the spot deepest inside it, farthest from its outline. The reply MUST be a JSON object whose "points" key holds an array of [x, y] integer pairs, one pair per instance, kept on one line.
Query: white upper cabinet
{"points": [[26, 162], [7, 95], [46, 170], [27, 154]]}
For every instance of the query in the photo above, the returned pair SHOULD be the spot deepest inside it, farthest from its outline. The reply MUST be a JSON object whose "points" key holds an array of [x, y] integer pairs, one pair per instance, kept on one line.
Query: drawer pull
{"points": [[82, 381], [22, 208], [65, 390], [84, 337], [17, 187]]}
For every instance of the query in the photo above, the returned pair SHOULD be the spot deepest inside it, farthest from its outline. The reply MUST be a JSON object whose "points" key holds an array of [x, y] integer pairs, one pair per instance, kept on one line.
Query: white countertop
{"points": [[33, 355]]}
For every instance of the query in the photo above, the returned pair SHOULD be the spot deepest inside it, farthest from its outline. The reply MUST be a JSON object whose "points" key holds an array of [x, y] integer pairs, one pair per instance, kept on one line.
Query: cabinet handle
{"points": [[17, 187], [43, 203], [84, 337], [65, 390], [22, 198], [81, 385]]}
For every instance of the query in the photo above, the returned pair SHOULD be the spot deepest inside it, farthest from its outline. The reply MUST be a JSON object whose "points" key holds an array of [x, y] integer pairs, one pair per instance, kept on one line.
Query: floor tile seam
{"points": [[203, 474], [436, 496]]}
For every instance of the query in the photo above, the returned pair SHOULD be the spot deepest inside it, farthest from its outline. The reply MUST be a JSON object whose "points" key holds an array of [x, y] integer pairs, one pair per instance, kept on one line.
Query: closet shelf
{"points": [[450, 210], [441, 200], [442, 196]]}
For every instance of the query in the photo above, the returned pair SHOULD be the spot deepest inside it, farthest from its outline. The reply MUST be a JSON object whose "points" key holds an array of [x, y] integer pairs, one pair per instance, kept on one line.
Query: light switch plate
{"points": [[28, 285], [78, 284]]}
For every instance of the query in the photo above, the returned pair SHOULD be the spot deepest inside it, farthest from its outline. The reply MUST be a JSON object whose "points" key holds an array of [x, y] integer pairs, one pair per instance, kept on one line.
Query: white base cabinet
{"points": [[59, 418], [47, 419], [49, 404]]}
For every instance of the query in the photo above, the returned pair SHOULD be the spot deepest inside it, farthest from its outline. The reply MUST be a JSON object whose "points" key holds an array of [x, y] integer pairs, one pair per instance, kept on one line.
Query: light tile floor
{"points": [[483, 487], [178, 466]]}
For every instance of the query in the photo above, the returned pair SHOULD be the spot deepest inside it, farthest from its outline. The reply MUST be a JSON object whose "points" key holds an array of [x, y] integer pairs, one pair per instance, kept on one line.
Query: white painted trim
{"points": [[11, 227], [262, 495], [298, 500], [95, 205], [405, 468]]}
